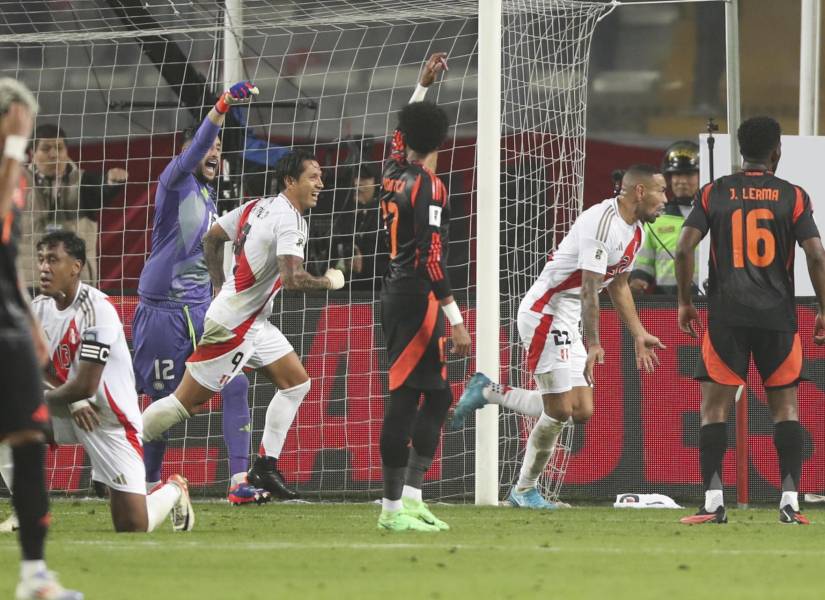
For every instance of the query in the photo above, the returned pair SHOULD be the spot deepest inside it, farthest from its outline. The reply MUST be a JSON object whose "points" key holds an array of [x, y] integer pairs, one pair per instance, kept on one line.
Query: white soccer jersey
{"points": [[261, 231], [600, 241], [90, 329]]}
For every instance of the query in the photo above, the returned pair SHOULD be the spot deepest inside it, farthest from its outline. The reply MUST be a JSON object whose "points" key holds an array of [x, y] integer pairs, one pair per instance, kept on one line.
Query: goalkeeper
{"points": [[175, 291], [416, 215]]}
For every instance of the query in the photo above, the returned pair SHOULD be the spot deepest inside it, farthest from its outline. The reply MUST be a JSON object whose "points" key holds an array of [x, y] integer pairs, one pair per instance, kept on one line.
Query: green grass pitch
{"points": [[334, 551]]}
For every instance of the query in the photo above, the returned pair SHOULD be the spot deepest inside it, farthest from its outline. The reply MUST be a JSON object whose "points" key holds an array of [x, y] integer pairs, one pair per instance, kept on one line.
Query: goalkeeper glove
{"points": [[240, 93]]}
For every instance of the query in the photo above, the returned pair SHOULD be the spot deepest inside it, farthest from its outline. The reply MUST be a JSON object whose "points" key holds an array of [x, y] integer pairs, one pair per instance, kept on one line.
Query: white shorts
{"points": [[221, 355], [555, 352], [116, 457]]}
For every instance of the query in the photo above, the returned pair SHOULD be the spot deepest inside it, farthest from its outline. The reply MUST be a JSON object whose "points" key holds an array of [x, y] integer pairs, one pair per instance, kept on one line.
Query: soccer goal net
{"points": [[122, 78]]}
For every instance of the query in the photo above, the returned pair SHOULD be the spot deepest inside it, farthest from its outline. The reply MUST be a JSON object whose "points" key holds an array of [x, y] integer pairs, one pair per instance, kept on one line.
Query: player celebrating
{"points": [[269, 237], [597, 253], [22, 347], [94, 401], [175, 292], [416, 214], [753, 218]]}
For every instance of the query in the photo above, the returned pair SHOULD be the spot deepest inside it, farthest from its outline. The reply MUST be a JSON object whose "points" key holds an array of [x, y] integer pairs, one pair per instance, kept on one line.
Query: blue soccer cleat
{"points": [[472, 399], [242, 493], [530, 499]]}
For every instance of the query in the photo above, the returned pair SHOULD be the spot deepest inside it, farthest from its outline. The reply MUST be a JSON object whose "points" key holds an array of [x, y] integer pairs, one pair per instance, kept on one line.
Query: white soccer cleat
{"points": [[10, 525], [182, 515], [44, 586]]}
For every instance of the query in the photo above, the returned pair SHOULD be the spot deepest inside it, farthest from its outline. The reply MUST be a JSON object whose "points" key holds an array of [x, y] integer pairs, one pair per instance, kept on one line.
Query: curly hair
{"points": [[424, 125], [291, 164], [74, 245], [758, 137]]}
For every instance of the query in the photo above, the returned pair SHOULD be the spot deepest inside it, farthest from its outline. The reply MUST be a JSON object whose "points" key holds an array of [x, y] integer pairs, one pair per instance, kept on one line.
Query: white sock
{"points": [[7, 465], [540, 446], [525, 402], [713, 500], [161, 415], [391, 505], [237, 479], [791, 498], [160, 503], [279, 416], [411, 493], [30, 568]]}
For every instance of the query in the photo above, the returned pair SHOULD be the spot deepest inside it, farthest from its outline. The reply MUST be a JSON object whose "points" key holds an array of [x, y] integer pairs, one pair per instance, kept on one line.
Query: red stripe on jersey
{"points": [[573, 280], [131, 432], [706, 197], [627, 256], [799, 205], [434, 259], [538, 342], [415, 189], [65, 352], [244, 277]]}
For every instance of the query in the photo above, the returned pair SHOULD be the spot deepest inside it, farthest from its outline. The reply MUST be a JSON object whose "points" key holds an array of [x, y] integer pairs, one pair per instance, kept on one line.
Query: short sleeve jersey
{"points": [[416, 215], [754, 219], [90, 330], [600, 241], [261, 230]]}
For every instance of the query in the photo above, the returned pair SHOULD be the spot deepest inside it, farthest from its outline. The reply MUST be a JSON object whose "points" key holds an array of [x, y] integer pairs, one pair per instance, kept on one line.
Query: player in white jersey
{"points": [[269, 236], [597, 253], [93, 400]]}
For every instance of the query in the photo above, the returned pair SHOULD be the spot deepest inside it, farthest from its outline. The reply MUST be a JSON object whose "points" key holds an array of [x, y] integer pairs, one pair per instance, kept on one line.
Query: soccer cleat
{"points": [[264, 474], [789, 516], [720, 515], [421, 511], [401, 520], [472, 399], [10, 525], [242, 493], [530, 499], [44, 586], [182, 515]]}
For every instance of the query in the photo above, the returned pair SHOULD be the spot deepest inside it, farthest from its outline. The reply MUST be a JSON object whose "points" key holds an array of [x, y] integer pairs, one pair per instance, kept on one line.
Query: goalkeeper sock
{"points": [[160, 503], [540, 446], [279, 416], [6, 465], [525, 402], [30, 499], [161, 415], [787, 438], [237, 432], [713, 443]]}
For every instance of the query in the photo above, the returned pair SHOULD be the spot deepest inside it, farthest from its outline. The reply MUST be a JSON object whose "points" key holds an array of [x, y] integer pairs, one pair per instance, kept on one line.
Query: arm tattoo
{"points": [[590, 310], [294, 277], [213, 245]]}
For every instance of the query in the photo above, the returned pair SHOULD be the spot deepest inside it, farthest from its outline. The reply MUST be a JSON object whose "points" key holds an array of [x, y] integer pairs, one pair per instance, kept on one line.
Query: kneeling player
{"points": [[94, 402]]}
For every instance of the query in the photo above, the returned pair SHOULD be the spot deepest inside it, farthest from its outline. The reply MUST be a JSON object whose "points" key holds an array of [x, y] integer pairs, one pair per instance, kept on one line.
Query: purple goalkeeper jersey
{"points": [[184, 212]]}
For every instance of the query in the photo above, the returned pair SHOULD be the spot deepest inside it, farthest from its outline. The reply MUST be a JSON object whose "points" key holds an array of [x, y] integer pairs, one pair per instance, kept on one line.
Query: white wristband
{"points": [[418, 94], [15, 147], [76, 406], [452, 313]]}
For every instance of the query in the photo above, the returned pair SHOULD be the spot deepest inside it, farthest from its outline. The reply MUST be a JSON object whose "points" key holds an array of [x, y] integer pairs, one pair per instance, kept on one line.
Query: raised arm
{"points": [[15, 129]]}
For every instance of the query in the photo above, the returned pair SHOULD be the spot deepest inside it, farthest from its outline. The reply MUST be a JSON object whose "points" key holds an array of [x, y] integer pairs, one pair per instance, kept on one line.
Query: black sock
{"points": [[30, 498], [787, 438], [713, 443], [417, 467], [395, 436]]}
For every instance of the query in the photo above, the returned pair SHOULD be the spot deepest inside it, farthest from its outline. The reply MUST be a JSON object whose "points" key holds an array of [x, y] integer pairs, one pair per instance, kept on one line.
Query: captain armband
{"points": [[94, 352]]}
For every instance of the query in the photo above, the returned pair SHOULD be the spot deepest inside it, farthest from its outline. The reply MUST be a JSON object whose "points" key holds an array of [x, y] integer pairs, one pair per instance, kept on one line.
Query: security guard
{"points": [[655, 270]]}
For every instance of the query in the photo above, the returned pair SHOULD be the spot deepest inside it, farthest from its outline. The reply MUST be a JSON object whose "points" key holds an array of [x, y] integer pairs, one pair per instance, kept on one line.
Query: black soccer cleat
{"points": [[264, 474], [720, 515], [789, 516]]}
